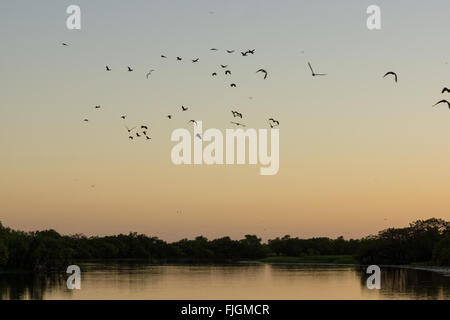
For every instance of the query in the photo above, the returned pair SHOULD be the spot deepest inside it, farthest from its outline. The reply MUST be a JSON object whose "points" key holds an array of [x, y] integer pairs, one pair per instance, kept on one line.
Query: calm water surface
{"points": [[243, 281]]}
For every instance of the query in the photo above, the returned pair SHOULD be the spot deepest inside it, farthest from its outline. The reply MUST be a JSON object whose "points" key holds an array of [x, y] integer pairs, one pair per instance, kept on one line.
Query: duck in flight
{"points": [[64, 44], [224, 66], [391, 73], [214, 49], [183, 108], [97, 107], [274, 123], [169, 117], [108, 68], [130, 70], [195, 60], [445, 90], [313, 73], [233, 85], [193, 121], [149, 73], [443, 101], [86, 120], [144, 127], [228, 72], [238, 124], [179, 59], [123, 117], [244, 54], [230, 51], [163, 56], [214, 74], [263, 71], [251, 51]]}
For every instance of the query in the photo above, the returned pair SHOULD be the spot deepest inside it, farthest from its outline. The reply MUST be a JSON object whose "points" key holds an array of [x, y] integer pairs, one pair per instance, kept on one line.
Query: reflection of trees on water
{"points": [[418, 284], [17, 286]]}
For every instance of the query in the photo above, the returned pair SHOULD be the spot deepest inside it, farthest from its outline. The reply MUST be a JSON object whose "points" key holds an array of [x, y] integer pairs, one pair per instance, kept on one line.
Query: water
{"points": [[243, 281]]}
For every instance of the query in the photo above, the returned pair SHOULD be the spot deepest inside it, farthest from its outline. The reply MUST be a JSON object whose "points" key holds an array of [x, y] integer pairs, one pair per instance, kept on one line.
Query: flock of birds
{"points": [[142, 131]]}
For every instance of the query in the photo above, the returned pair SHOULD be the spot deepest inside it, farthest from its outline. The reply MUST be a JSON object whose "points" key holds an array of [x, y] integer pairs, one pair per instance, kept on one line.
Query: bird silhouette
{"points": [[198, 136], [238, 124], [236, 114], [147, 137], [64, 44], [313, 73], [86, 120], [169, 116], [263, 71], [213, 49], [230, 51], [97, 107], [183, 108], [192, 121], [227, 72], [179, 59], [224, 66], [443, 101], [108, 68], [144, 133], [137, 134], [391, 73], [233, 85], [123, 117], [129, 69], [130, 129], [163, 56], [244, 54], [149, 73], [445, 90], [272, 122], [195, 60], [251, 51], [130, 137], [214, 74], [144, 127]]}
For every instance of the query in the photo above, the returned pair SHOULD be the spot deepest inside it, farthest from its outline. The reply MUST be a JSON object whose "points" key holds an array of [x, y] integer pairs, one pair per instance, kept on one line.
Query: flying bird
{"points": [[238, 124], [97, 107], [137, 134], [230, 51], [214, 74], [163, 56], [147, 137], [236, 114], [272, 123], [263, 71], [130, 137], [193, 121], [144, 127], [129, 130], [223, 66], [86, 120], [391, 73], [123, 117], [228, 72], [195, 60], [251, 51], [244, 54], [179, 59], [198, 136], [443, 101], [108, 68], [64, 44], [214, 49], [149, 73], [169, 116], [445, 90], [233, 85], [315, 74], [183, 108], [129, 69]]}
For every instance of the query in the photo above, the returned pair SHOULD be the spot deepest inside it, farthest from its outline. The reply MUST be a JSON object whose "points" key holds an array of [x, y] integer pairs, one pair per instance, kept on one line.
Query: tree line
{"points": [[425, 241]]}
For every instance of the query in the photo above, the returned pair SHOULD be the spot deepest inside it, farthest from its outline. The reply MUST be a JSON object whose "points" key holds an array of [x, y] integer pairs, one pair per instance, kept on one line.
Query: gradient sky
{"points": [[358, 153]]}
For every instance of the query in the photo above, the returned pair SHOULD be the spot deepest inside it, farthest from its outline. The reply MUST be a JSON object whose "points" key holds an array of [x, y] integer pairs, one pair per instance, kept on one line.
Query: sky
{"points": [[358, 153]]}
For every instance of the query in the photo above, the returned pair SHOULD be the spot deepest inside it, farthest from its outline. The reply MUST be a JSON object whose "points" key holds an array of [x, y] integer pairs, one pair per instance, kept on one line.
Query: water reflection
{"points": [[242, 281]]}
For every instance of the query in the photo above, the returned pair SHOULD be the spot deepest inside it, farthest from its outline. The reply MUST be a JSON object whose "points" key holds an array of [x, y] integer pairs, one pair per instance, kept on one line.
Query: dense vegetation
{"points": [[423, 241]]}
